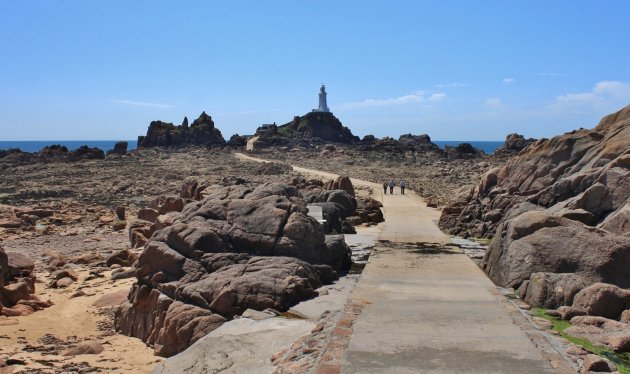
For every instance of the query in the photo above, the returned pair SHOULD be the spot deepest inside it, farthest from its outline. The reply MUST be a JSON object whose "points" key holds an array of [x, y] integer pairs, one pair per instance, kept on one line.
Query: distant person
{"points": [[385, 188], [402, 187], [391, 186]]}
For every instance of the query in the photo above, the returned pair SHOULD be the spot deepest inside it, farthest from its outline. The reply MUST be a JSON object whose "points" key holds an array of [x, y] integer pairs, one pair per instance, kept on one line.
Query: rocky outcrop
{"points": [[311, 128], [536, 241], [200, 132], [237, 248], [341, 183], [405, 143], [17, 286], [559, 206], [514, 143], [463, 150], [604, 300], [551, 290], [120, 148]]}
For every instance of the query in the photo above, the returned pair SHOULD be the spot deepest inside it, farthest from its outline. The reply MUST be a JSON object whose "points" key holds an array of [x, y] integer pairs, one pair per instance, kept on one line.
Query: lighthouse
{"points": [[323, 107]]}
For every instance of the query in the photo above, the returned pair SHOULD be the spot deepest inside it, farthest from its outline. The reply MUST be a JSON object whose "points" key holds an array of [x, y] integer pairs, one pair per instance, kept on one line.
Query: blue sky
{"points": [[457, 70]]}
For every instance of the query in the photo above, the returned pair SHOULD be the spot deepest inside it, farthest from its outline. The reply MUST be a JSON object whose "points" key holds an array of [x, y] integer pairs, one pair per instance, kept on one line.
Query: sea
{"points": [[34, 146], [488, 146]]}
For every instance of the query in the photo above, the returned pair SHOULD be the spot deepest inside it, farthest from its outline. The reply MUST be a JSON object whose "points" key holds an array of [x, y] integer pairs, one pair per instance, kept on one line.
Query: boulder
{"points": [[19, 265], [169, 326], [568, 312], [14, 292], [165, 204], [19, 310], [148, 214], [85, 348], [238, 248], [604, 300], [551, 290], [341, 183], [594, 363], [139, 232], [63, 282], [602, 332], [201, 132], [537, 241], [123, 257]]}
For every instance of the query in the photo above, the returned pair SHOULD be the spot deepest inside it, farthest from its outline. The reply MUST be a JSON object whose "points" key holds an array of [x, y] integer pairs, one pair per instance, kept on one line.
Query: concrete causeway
{"points": [[422, 308]]}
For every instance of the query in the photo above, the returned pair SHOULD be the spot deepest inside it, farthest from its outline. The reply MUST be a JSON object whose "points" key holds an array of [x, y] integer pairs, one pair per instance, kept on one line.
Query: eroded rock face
{"points": [[237, 248], [539, 242], [514, 143], [584, 169], [311, 128], [559, 206], [200, 132]]}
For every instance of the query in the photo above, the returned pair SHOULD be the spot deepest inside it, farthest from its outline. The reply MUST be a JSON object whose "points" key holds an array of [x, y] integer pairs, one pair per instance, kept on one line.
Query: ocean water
{"points": [[487, 146], [36, 145], [106, 145]]}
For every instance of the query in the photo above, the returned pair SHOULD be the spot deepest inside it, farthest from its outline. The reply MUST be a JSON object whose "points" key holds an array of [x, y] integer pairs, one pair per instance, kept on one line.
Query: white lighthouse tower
{"points": [[323, 107]]}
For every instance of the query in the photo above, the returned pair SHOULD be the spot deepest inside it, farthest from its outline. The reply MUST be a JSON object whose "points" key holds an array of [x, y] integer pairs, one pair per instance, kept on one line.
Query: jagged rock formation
{"points": [[463, 150], [237, 248], [311, 128], [560, 206], [55, 153], [120, 148], [200, 132], [514, 143], [407, 142]]}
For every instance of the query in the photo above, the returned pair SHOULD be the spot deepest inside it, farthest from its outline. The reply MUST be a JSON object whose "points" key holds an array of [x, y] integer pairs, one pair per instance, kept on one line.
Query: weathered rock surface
{"points": [[238, 248], [602, 332], [551, 290], [200, 132], [85, 348], [514, 143], [604, 300], [559, 206], [536, 241]]}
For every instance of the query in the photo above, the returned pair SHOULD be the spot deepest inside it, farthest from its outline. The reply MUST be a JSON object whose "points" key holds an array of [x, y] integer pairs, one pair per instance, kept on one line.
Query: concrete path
{"points": [[425, 309]]}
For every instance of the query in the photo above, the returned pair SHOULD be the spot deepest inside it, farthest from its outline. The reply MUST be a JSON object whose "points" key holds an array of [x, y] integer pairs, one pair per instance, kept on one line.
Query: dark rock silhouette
{"points": [[200, 132]]}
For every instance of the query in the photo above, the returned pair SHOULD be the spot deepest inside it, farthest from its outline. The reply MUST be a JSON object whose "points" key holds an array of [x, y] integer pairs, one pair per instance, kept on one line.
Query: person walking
{"points": [[385, 188], [391, 186], [402, 187]]}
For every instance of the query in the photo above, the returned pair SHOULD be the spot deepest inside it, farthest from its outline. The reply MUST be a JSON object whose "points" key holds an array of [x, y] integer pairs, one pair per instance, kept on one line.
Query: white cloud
{"points": [[605, 92], [455, 84], [437, 96], [612, 88], [142, 103], [493, 103], [416, 98], [509, 80]]}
